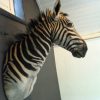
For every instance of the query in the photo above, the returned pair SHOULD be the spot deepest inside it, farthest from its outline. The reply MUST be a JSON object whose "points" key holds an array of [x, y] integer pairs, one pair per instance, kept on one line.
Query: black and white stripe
{"points": [[25, 57]]}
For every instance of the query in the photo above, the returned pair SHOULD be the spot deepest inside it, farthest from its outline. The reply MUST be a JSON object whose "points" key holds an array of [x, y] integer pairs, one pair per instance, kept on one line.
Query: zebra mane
{"points": [[44, 16]]}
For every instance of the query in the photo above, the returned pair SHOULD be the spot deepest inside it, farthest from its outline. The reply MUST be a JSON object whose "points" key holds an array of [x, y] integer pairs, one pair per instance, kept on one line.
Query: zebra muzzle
{"points": [[80, 51]]}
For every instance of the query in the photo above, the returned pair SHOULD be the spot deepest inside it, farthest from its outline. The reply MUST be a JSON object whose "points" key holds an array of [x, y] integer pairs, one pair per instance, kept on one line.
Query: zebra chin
{"points": [[79, 51]]}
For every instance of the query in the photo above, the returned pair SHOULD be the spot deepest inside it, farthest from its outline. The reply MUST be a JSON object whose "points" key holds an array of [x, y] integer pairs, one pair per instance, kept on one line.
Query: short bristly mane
{"points": [[46, 16]]}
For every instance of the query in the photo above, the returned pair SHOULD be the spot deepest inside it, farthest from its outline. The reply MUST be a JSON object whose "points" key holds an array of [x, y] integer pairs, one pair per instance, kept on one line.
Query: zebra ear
{"points": [[57, 7]]}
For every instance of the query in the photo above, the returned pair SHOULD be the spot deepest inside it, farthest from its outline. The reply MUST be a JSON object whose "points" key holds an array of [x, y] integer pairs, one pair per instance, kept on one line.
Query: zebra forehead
{"points": [[63, 13], [62, 16]]}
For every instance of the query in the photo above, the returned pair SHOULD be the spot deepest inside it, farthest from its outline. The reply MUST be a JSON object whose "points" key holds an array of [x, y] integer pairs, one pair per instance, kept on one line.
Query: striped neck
{"points": [[39, 43]]}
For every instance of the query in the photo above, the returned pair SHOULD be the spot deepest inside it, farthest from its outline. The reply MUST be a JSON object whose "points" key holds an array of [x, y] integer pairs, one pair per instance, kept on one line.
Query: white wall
{"points": [[79, 79]]}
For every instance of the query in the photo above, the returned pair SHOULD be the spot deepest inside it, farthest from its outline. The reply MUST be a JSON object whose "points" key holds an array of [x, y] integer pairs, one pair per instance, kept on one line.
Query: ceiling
{"points": [[84, 14]]}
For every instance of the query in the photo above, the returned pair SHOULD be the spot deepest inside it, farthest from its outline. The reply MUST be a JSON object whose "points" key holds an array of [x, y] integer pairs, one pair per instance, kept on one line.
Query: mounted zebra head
{"points": [[61, 30], [26, 56]]}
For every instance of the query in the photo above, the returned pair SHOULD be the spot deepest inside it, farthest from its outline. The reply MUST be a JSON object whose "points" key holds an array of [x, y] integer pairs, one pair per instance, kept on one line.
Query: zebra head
{"points": [[65, 35]]}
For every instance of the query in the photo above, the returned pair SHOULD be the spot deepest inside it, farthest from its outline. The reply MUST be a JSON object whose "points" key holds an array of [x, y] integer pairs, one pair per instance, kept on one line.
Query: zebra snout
{"points": [[80, 51]]}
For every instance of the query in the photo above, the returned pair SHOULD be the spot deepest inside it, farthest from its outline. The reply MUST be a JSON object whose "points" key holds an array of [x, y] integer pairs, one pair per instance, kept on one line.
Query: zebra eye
{"points": [[69, 24]]}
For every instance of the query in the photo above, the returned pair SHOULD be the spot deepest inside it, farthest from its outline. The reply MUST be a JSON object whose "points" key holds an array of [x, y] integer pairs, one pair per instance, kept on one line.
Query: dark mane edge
{"points": [[42, 15]]}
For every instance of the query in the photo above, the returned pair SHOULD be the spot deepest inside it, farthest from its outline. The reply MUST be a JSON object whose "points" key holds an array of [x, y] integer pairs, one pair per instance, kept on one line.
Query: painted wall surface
{"points": [[79, 79], [31, 9]]}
